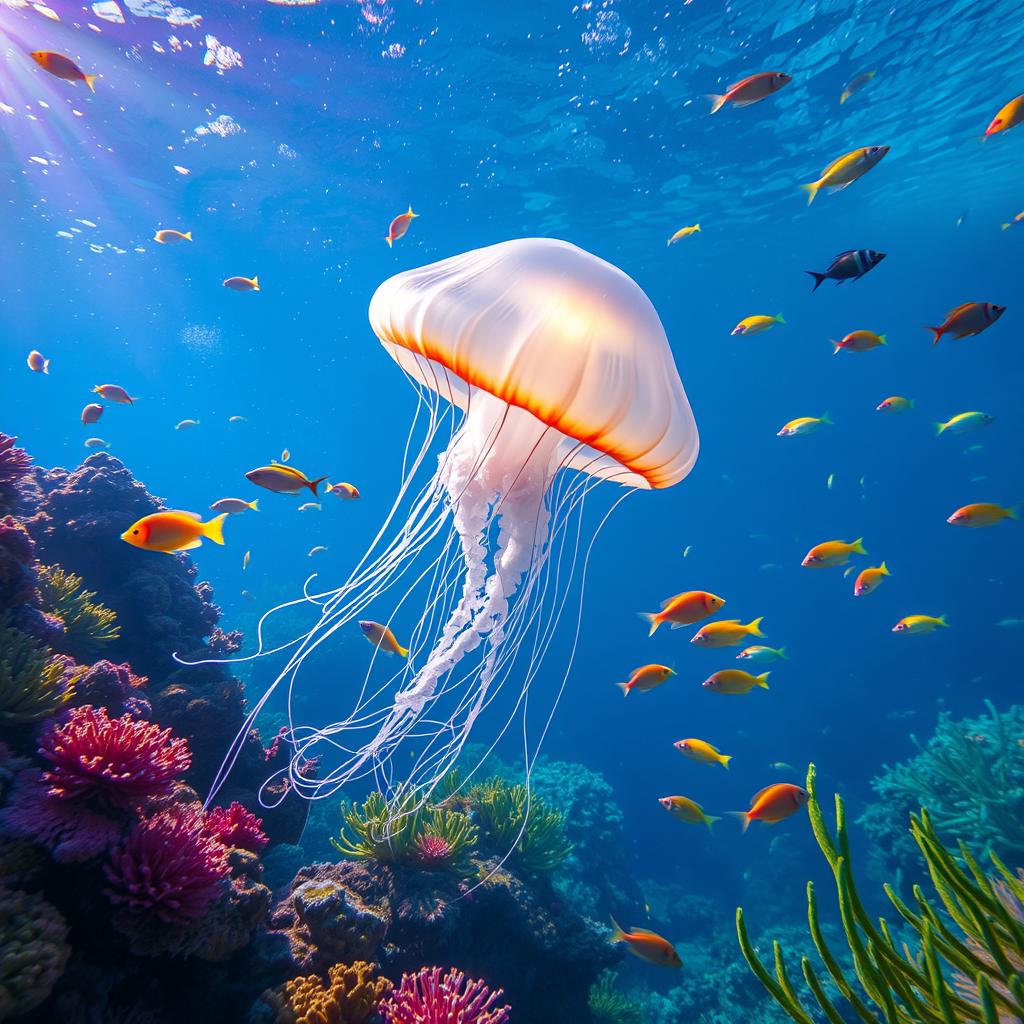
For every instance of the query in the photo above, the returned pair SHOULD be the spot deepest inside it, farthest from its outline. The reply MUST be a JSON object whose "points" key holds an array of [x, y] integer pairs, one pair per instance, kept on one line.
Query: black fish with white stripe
{"points": [[848, 266]]}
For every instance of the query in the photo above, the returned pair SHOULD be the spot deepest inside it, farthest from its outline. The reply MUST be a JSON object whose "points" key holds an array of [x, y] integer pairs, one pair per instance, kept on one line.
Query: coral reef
{"points": [[970, 776], [235, 826], [33, 951], [350, 995], [430, 996], [608, 1005], [15, 465], [984, 943], [114, 687], [88, 625], [32, 683], [17, 559]]}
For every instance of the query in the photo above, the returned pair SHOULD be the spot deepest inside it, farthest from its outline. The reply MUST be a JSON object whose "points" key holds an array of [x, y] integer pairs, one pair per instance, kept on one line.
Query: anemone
{"points": [[350, 995], [608, 1005], [88, 625], [371, 831], [445, 840], [32, 684], [973, 934], [429, 995]]}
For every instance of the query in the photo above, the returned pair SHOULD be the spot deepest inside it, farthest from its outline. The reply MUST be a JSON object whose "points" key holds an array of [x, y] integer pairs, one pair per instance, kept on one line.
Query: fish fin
{"points": [[1003, 227], [884, 569], [653, 620], [837, 346], [255, 284], [188, 235], [1013, 512], [409, 212], [839, 188], [193, 515], [826, 419], [937, 331], [90, 80], [710, 819], [676, 625], [755, 627], [781, 653], [647, 931], [402, 652], [187, 547], [313, 484], [942, 621], [624, 687], [762, 680], [940, 428], [46, 366], [724, 761], [818, 279], [883, 340], [214, 529], [387, 238], [910, 403], [255, 504], [618, 935], [696, 227], [858, 546], [743, 816], [779, 318], [811, 189], [717, 102]]}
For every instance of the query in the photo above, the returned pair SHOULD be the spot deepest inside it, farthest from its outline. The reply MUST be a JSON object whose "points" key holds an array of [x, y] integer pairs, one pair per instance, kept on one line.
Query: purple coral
{"points": [[428, 997], [118, 762], [168, 867], [114, 687], [15, 465], [236, 827]]}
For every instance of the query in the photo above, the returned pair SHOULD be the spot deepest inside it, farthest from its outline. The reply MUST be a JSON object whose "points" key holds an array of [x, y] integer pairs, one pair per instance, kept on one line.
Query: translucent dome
{"points": [[547, 327]]}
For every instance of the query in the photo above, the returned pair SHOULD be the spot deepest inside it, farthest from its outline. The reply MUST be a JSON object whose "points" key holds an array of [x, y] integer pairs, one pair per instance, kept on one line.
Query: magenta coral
{"points": [[237, 827], [428, 997], [15, 463], [432, 852], [118, 762], [168, 867]]}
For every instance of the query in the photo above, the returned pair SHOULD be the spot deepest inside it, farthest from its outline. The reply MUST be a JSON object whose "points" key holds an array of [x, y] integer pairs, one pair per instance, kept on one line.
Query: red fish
{"points": [[773, 803], [399, 226], [751, 90], [647, 945], [63, 67], [967, 320]]}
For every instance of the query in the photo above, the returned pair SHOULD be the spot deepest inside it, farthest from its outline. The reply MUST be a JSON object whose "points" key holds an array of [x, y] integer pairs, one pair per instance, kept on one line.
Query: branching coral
{"points": [[33, 951], [512, 820], [15, 464], [236, 827], [351, 995], [970, 776], [88, 625], [428, 997], [979, 936], [117, 762], [32, 684], [608, 1005]]}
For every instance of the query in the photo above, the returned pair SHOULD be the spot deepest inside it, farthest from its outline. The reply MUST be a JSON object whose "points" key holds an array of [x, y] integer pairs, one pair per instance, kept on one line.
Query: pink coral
{"points": [[432, 852], [428, 997], [237, 827], [118, 762], [168, 867]]}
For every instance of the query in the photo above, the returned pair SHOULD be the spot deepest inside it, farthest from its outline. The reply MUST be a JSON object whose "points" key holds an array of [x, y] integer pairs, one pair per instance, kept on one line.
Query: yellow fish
{"points": [[726, 633], [982, 513], [168, 236], [858, 341], [805, 425], [647, 945], [757, 324], [382, 638], [735, 682], [832, 553], [683, 232], [854, 85], [846, 170], [964, 422], [895, 403], [347, 492], [702, 753], [914, 624], [173, 531], [869, 579], [683, 809]]}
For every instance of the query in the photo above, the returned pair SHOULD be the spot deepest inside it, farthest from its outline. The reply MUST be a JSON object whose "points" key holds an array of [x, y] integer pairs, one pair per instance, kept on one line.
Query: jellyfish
{"points": [[542, 372]]}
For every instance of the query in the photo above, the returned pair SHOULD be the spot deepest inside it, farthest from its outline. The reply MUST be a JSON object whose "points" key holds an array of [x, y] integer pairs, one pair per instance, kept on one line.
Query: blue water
{"points": [[585, 123]]}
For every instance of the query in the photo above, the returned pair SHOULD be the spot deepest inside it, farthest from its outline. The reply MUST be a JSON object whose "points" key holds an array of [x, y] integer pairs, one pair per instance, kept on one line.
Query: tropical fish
{"points": [[751, 90], [319, 549], [869, 579], [846, 170], [735, 682], [399, 226], [1015, 219], [311, 506], [759, 654], [858, 341], [347, 492], [186, 424], [895, 403], [647, 945], [282, 479], [645, 678], [1009, 117], [726, 633], [848, 266], [702, 753], [233, 506], [683, 809], [237, 419], [782, 766], [382, 638], [683, 232], [832, 553], [964, 422], [968, 320], [830, 480], [173, 531], [114, 393], [982, 513], [248, 596], [168, 236], [285, 455], [245, 560], [96, 442], [774, 803], [757, 324], [63, 67], [684, 609], [914, 624], [91, 414], [804, 425], [242, 284], [855, 84], [38, 362]]}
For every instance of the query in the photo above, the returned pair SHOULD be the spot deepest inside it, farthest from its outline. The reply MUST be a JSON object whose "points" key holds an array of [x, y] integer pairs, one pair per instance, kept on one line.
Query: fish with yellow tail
{"points": [[912, 625], [868, 580], [398, 227], [734, 682], [858, 341], [832, 553], [689, 811], [727, 633], [60, 66], [982, 513], [114, 393], [895, 403], [756, 324], [805, 425], [964, 423], [347, 492], [846, 170], [282, 479], [773, 804], [693, 229], [646, 945], [382, 638], [242, 284], [855, 85], [701, 752], [174, 531], [684, 609], [168, 236], [646, 678]]}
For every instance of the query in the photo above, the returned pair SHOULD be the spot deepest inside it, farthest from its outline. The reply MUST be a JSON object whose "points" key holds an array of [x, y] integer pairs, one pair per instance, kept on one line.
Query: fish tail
{"points": [[255, 504], [884, 569], [818, 279], [724, 761], [653, 619], [779, 319], [90, 80], [883, 340], [1013, 512], [255, 284], [402, 652], [940, 428], [754, 629], [409, 212], [313, 484], [762, 680], [188, 235], [624, 687], [743, 816], [696, 227], [827, 419], [717, 102], [387, 238], [811, 188], [781, 652], [858, 546], [937, 331], [617, 935], [46, 366], [710, 819], [214, 529], [942, 621], [837, 346]]}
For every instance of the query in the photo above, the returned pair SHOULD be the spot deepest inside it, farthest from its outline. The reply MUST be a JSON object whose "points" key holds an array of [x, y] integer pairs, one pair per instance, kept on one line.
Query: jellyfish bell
{"points": [[553, 374]]}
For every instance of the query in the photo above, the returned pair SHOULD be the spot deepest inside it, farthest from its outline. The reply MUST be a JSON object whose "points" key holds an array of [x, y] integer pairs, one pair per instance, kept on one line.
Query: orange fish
{"points": [[773, 804], [399, 226], [751, 90], [63, 67], [347, 492], [1009, 117], [832, 553], [967, 320], [382, 638], [645, 678], [858, 341], [174, 531], [242, 284], [38, 362], [91, 414], [647, 945], [726, 633], [982, 513], [684, 609], [869, 579]]}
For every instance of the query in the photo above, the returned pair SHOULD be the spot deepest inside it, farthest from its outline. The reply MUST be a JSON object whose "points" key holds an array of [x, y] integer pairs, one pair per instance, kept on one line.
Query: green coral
{"points": [[32, 684], [979, 939], [88, 625], [513, 820], [33, 951], [608, 1005], [970, 776]]}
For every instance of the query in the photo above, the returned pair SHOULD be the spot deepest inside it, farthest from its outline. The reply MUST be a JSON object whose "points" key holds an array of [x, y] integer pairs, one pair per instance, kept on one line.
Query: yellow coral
{"points": [[350, 996], [32, 685], [87, 623]]}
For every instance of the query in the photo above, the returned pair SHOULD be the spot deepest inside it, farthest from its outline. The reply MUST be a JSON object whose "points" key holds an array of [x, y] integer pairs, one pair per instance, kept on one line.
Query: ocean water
{"points": [[586, 123]]}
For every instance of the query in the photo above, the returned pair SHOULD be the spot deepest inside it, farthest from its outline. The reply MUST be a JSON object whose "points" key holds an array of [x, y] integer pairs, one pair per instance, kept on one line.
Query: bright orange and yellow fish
{"points": [[173, 531], [647, 945], [684, 609], [773, 804], [702, 753], [1009, 117], [646, 678], [60, 66], [915, 624], [734, 682], [982, 513], [382, 638], [846, 170], [399, 226], [869, 579], [832, 553], [684, 809], [726, 633]]}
